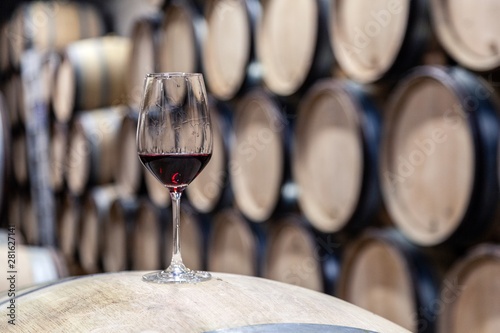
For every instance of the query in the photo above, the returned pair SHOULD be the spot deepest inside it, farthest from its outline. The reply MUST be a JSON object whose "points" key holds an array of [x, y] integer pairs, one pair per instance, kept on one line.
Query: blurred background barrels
{"points": [[384, 273], [229, 55], [469, 293], [91, 75], [143, 57], [292, 44], [51, 25], [183, 32], [439, 157], [378, 39], [335, 161], [259, 156], [327, 130]]}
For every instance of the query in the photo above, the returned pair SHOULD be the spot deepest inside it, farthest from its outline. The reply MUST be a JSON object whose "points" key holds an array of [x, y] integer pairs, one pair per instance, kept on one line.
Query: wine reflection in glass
{"points": [[174, 142]]}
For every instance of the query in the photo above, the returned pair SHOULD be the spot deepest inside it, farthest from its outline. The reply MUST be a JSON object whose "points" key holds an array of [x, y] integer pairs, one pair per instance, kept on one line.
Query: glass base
{"points": [[177, 274]]}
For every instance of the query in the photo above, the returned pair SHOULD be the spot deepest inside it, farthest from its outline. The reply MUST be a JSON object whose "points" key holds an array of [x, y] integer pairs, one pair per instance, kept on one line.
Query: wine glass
{"points": [[174, 142]]}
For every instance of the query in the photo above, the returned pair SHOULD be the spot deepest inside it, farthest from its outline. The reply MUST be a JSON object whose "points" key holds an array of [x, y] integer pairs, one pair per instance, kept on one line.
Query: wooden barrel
{"points": [[95, 211], [229, 59], [297, 255], [69, 226], [441, 133], [259, 157], [292, 44], [470, 293], [183, 31], [226, 302], [91, 76], [148, 239], [385, 274], [143, 56], [235, 245], [58, 154], [52, 25], [335, 160], [193, 237], [378, 40], [466, 31], [211, 190], [118, 229], [92, 155], [34, 265], [129, 170]]}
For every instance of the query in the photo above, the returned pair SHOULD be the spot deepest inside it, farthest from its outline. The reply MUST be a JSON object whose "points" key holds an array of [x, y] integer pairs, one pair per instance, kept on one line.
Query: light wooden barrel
{"points": [[118, 229], [383, 273], [148, 240], [441, 133], [129, 172], [58, 154], [91, 76], [227, 301], [235, 245], [193, 236], [92, 155], [229, 59], [470, 293], [259, 157], [34, 265], [183, 31], [69, 226], [292, 44], [378, 39], [95, 211], [46, 26], [143, 56], [335, 160], [466, 31], [297, 255], [210, 191]]}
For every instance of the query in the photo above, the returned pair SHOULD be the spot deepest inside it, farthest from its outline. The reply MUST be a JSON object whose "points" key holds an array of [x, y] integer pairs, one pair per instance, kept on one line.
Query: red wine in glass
{"points": [[175, 171]]}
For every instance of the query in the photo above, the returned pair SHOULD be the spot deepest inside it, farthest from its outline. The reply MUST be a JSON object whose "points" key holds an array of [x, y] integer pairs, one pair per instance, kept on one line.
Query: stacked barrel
{"points": [[355, 151]]}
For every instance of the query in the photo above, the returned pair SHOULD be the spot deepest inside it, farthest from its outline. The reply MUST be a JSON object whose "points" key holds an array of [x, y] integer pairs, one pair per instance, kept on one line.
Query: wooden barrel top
{"points": [[122, 302]]}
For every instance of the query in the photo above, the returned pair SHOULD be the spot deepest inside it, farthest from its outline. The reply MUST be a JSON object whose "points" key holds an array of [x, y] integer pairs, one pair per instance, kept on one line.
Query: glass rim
{"points": [[173, 74]]}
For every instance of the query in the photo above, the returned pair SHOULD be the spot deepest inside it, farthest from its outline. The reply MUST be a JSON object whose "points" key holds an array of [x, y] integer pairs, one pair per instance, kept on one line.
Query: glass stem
{"points": [[176, 245]]}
